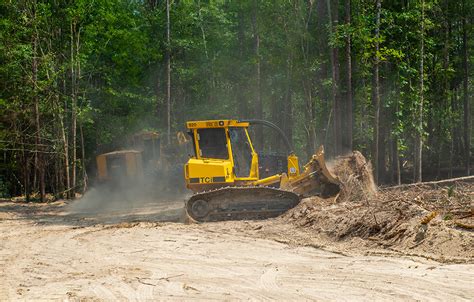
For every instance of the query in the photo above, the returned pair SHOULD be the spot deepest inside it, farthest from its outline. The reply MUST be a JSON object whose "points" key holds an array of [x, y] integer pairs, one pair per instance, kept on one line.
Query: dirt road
{"points": [[48, 254]]}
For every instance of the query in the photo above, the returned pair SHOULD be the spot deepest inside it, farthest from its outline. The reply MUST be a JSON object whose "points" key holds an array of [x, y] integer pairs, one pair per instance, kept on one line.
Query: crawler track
{"points": [[238, 203]]}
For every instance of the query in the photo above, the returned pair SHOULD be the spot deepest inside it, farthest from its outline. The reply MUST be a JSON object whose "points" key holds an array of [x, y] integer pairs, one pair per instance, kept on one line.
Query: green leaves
{"points": [[119, 47]]}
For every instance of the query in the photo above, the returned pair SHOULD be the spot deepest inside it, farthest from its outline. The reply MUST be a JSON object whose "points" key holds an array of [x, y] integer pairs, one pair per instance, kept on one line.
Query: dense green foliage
{"points": [[92, 72]]}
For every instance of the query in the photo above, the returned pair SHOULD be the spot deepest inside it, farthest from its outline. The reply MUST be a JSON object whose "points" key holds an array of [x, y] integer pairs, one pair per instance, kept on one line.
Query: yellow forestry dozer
{"points": [[231, 181], [147, 161], [129, 165]]}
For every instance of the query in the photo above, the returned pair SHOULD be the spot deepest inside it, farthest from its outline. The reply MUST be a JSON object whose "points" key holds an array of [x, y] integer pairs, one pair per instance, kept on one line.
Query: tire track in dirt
{"points": [[268, 280], [152, 261]]}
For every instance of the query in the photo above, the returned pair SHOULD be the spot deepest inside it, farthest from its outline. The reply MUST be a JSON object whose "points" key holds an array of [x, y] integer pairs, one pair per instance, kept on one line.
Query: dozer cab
{"points": [[224, 174]]}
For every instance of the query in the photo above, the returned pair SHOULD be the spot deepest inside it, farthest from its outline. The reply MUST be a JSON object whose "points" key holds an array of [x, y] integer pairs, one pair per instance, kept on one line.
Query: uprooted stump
{"points": [[355, 175]]}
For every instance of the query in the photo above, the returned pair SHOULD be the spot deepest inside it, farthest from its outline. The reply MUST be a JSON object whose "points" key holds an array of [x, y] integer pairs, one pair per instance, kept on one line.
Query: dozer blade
{"points": [[315, 179], [238, 203]]}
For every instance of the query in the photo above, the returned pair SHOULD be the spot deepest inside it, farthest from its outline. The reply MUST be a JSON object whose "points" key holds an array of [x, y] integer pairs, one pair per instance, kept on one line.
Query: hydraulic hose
{"points": [[273, 126]]}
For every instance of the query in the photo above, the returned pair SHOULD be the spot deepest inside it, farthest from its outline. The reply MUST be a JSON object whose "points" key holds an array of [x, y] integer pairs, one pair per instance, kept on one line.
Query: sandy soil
{"points": [[48, 253]]}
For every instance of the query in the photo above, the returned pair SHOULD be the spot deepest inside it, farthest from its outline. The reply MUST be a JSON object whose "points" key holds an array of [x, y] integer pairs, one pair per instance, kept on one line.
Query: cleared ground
{"points": [[48, 253]]}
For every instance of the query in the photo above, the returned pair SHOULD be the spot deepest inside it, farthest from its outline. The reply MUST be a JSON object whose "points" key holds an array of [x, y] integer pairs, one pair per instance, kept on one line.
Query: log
{"points": [[444, 182]]}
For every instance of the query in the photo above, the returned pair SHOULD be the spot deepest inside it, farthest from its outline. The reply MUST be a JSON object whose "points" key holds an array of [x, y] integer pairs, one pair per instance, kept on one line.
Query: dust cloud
{"points": [[131, 200]]}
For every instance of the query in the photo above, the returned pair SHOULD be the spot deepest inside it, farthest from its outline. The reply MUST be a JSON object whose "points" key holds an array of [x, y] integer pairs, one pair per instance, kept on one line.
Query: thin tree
{"points": [[333, 15], [467, 128], [38, 142], [64, 143], [419, 132], [376, 93], [348, 114], [83, 159], [307, 81], [242, 102], [446, 84], [258, 87], [168, 73], [206, 53], [288, 99], [73, 107]]}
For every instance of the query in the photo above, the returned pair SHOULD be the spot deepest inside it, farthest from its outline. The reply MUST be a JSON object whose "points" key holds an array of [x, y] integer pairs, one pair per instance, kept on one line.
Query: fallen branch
{"points": [[444, 182], [464, 225], [143, 282], [169, 277]]}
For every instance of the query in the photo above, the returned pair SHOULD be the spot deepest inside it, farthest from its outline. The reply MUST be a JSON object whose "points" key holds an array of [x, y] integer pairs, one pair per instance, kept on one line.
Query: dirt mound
{"points": [[432, 221]]}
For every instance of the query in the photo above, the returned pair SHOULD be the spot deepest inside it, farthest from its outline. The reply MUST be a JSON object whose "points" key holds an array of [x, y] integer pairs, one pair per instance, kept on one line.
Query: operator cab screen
{"points": [[213, 143], [241, 151]]}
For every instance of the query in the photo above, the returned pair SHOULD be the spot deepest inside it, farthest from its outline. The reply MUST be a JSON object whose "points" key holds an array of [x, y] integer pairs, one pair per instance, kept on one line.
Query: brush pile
{"points": [[421, 219]]}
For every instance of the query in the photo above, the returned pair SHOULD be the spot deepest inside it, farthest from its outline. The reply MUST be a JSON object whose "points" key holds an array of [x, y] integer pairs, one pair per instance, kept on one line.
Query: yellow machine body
{"points": [[225, 173], [222, 147], [125, 164], [130, 163]]}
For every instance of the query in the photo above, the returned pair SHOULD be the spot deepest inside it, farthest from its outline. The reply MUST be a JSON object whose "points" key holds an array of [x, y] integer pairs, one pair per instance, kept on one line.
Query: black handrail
{"points": [[273, 126]]}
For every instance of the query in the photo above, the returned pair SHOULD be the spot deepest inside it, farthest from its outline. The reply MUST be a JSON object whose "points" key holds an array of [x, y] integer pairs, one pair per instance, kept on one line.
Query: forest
{"points": [[390, 78]]}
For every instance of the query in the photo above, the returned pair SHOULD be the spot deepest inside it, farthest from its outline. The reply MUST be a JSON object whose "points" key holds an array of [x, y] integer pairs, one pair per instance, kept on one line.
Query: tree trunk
{"points": [[376, 94], [444, 104], [396, 137], [209, 63], [65, 144], [258, 87], [337, 137], [168, 73], [59, 160], [39, 165], [288, 100], [321, 75], [419, 132], [307, 83], [83, 160], [26, 168], [73, 108], [467, 135], [241, 99], [310, 119], [396, 162], [454, 99], [348, 120]]}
